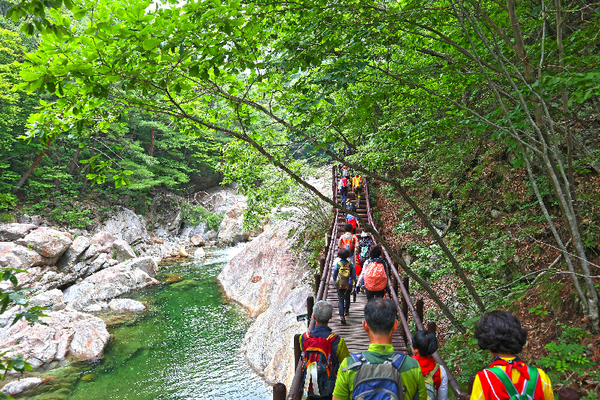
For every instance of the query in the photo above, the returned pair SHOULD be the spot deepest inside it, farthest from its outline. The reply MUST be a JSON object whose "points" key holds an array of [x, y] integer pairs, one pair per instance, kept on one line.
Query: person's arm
{"points": [[342, 350], [546, 385], [442, 392], [335, 271], [342, 384], [352, 273]]}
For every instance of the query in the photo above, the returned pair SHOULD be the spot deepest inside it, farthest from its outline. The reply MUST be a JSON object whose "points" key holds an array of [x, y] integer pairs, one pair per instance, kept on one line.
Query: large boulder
{"points": [[52, 299], [122, 251], [22, 385], [47, 242], [67, 334], [231, 228], [104, 240], [73, 253], [126, 225], [197, 240], [12, 232], [38, 279], [264, 271], [112, 282], [126, 305], [15, 256]]}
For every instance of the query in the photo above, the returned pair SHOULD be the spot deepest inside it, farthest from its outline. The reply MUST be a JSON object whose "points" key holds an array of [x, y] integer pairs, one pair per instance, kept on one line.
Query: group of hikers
{"points": [[331, 372]]}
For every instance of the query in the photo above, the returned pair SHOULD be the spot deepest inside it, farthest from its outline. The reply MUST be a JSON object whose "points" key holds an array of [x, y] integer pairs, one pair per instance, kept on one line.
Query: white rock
{"points": [[97, 307], [16, 256], [73, 253], [47, 242], [183, 253], [112, 282], [51, 299], [126, 225], [22, 385], [122, 250], [12, 232], [126, 305], [67, 334], [199, 254]]}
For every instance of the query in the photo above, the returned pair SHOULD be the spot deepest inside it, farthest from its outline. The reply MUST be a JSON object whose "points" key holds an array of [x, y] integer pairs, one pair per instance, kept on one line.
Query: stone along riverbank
{"points": [[186, 345]]}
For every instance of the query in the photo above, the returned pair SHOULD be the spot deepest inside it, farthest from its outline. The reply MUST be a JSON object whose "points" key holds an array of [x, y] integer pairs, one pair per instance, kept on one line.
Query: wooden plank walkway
{"points": [[353, 332]]}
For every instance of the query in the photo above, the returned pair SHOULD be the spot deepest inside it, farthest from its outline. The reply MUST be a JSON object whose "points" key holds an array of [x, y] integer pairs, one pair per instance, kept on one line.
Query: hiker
{"points": [[348, 240], [345, 171], [351, 219], [324, 344], [344, 184], [424, 344], [501, 333], [344, 277], [375, 273], [380, 361], [364, 248], [357, 185]]}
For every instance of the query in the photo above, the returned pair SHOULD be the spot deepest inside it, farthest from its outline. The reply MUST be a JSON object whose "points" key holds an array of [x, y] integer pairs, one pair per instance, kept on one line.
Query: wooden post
{"points": [[420, 309], [279, 391], [321, 265], [405, 283], [317, 282], [431, 327], [297, 351], [310, 303]]}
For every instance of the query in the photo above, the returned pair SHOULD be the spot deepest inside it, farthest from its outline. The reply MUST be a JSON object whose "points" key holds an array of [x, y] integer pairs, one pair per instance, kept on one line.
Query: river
{"points": [[187, 346]]}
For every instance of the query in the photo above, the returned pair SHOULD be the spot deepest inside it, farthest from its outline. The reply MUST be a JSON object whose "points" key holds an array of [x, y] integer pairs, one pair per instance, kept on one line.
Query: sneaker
{"points": [[343, 321], [346, 313]]}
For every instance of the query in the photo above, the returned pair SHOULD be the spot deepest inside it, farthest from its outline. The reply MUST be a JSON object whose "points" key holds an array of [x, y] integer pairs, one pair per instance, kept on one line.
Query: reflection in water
{"points": [[185, 347]]}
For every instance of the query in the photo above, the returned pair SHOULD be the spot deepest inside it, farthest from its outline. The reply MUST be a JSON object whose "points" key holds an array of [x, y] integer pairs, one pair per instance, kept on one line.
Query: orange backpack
{"points": [[375, 277], [348, 241]]}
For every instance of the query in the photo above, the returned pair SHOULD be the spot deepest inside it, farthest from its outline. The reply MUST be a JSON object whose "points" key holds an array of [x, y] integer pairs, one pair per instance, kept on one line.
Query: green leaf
{"points": [[150, 43]]}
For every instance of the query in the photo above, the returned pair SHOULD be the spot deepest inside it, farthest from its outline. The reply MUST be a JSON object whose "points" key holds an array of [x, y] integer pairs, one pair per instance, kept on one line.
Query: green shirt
{"points": [[410, 371]]}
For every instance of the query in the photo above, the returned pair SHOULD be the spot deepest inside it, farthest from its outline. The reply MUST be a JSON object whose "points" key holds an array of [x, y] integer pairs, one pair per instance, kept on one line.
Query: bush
{"points": [[195, 215], [8, 201]]}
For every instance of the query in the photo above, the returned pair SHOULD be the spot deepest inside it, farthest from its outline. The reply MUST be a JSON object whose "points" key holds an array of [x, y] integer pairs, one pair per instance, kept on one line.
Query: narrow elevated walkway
{"points": [[353, 332]]}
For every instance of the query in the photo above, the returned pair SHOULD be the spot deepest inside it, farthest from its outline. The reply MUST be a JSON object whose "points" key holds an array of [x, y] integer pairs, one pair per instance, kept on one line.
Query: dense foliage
{"points": [[445, 98]]}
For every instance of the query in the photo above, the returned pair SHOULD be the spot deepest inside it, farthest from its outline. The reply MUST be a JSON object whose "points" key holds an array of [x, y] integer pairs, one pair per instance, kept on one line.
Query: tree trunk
{"points": [[30, 170]]}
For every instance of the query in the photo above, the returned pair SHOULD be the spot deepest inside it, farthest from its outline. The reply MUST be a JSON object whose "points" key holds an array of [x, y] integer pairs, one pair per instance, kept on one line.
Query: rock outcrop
{"points": [[22, 385], [111, 282], [67, 333], [272, 283]]}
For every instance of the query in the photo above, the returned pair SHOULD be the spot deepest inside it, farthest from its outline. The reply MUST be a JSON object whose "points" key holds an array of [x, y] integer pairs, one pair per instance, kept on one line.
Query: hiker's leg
{"points": [[341, 294], [347, 301], [379, 294]]}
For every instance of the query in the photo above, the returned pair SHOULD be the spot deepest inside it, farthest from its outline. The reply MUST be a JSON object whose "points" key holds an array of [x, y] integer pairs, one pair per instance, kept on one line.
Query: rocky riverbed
{"points": [[77, 274]]}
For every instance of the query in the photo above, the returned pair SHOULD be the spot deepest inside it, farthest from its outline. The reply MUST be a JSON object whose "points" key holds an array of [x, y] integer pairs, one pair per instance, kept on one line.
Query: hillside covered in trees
{"points": [[478, 121]]}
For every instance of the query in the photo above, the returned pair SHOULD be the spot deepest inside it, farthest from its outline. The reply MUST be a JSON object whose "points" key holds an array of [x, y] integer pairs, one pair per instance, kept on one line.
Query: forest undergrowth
{"points": [[491, 220]]}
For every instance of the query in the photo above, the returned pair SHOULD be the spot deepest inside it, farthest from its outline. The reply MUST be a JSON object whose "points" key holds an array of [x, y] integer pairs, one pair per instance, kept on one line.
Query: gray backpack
{"points": [[372, 381]]}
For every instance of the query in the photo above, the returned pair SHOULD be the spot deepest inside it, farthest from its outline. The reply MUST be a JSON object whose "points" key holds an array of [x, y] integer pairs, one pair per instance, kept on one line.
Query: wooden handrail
{"points": [[454, 385]]}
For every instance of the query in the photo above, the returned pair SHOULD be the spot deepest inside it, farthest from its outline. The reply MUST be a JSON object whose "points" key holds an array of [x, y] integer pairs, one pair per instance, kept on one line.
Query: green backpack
{"points": [[430, 384], [528, 389]]}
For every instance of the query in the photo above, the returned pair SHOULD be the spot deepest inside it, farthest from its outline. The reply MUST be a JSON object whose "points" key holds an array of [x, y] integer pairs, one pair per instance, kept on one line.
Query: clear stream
{"points": [[185, 347]]}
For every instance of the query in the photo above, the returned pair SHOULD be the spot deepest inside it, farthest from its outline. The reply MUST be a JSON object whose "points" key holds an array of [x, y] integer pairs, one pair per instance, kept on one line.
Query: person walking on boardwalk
{"points": [[375, 273], [371, 370], [326, 349], [344, 277], [501, 333], [348, 240], [344, 185], [357, 186], [424, 344], [365, 243]]}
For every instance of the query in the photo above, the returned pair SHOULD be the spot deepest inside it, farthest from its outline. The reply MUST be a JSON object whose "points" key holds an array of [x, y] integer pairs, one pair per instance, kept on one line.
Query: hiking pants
{"points": [[377, 294], [344, 194], [343, 300]]}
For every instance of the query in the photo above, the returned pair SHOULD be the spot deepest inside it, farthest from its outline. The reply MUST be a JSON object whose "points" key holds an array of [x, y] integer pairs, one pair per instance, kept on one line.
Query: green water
{"points": [[185, 347]]}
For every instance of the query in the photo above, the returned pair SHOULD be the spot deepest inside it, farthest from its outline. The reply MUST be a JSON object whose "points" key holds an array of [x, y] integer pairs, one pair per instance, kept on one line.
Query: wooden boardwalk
{"points": [[353, 332]]}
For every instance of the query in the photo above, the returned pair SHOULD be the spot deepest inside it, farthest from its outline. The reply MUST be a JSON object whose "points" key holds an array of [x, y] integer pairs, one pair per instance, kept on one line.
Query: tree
{"points": [[387, 78]]}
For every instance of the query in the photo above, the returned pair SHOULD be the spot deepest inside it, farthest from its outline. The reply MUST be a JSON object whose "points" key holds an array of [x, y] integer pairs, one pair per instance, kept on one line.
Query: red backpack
{"points": [[318, 373], [375, 276]]}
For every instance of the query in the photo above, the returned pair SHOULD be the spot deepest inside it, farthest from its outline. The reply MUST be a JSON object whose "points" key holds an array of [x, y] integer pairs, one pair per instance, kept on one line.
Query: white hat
{"points": [[364, 234]]}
